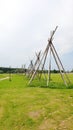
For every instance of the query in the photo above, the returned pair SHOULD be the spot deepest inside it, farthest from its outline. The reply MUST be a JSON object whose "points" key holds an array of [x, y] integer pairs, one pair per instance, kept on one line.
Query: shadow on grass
{"points": [[70, 86], [51, 85]]}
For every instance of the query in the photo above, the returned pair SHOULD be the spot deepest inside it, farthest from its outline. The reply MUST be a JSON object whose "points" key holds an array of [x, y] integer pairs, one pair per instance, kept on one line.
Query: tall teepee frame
{"points": [[50, 48]]}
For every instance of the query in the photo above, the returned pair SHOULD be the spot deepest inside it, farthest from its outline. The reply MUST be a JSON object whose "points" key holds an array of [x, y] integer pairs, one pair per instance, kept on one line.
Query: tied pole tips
{"points": [[53, 32], [55, 29]]}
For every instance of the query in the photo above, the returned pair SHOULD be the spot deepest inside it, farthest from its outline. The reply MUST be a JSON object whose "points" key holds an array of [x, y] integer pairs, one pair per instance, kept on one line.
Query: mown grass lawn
{"points": [[35, 106], [3, 75]]}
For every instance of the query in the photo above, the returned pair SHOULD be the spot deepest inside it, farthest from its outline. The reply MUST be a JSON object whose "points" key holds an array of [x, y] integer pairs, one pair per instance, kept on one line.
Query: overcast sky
{"points": [[25, 27]]}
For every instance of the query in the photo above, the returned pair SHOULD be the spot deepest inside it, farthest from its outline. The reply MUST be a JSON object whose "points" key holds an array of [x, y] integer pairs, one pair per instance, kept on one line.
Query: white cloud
{"points": [[25, 26]]}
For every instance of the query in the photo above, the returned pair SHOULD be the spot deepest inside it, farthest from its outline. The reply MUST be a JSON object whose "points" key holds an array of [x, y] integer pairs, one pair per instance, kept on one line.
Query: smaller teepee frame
{"points": [[32, 65], [50, 48]]}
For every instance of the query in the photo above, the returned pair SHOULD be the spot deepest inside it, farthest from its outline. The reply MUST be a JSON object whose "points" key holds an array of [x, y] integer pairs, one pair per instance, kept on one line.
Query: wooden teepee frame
{"points": [[32, 65], [50, 47]]}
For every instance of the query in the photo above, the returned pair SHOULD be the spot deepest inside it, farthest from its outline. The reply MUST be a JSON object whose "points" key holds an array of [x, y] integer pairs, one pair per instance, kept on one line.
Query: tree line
{"points": [[24, 70]]}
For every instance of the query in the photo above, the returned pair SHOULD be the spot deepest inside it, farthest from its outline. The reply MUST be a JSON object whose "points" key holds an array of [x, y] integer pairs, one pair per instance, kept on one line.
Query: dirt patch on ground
{"points": [[35, 114], [66, 124], [47, 124]]}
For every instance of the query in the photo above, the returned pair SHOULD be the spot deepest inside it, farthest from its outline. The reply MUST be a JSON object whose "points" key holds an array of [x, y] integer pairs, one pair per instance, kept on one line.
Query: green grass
{"points": [[3, 75], [35, 106]]}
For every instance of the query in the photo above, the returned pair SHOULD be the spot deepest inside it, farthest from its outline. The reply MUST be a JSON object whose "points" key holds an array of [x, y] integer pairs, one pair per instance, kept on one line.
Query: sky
{"points": [[25, 26]]}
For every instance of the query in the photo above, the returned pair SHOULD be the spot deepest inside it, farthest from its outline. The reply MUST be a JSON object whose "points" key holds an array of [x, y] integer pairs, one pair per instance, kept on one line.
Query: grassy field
{"points": [[3, 75], [35, 106]]}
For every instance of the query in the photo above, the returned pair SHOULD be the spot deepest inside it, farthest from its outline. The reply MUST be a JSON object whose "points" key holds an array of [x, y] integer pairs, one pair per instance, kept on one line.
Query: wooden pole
{"points": [[49, 69], [58, 66], [61, 63], [50, 66], [9, 73], [46, 52]]}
